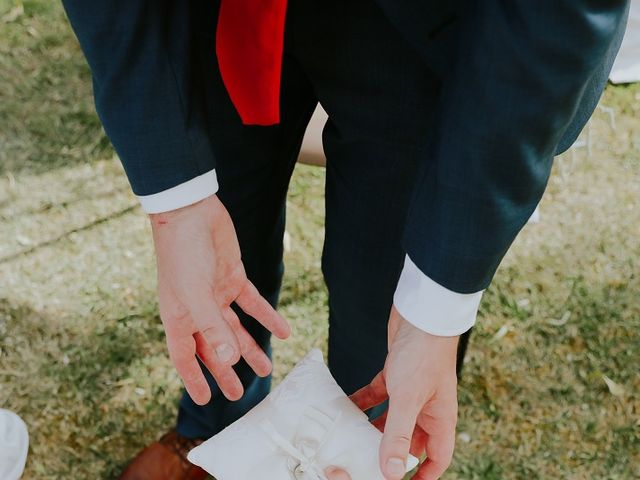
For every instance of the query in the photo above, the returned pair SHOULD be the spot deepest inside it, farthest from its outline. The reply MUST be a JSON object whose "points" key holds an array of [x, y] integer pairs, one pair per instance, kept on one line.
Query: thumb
{"points": [[396, 440], [334, 473]]}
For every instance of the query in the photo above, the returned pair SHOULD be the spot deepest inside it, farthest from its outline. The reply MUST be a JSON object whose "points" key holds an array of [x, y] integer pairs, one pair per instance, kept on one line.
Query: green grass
{"points": [[82, 357]]}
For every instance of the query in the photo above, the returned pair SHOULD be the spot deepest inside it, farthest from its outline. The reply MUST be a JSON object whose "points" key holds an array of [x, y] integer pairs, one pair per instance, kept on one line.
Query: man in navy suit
{"points": [[444, 118]]}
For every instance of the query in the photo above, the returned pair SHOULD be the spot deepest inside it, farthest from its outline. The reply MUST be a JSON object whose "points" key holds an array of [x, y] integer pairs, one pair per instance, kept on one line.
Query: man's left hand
{"points": [[419, 380]]}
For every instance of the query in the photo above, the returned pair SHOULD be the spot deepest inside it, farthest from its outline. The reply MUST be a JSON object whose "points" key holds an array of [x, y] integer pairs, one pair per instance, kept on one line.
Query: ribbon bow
{"points": [[304, 454]]}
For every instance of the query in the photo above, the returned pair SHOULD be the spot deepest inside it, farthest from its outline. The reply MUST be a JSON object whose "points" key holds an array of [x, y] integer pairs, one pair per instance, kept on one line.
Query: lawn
{"points": [[551, 388]]}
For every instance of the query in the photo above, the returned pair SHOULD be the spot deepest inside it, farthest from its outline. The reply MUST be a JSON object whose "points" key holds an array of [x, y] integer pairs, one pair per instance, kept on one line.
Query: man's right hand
{"points": [[334, 473], [200, 274]]}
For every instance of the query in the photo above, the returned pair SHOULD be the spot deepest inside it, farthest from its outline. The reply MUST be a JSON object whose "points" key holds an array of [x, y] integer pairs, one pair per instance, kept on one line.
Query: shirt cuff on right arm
{"points": [[187, 193]]}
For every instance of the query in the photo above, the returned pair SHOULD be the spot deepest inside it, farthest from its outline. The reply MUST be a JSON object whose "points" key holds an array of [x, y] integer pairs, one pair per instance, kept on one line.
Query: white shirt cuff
{"points": [[432, 307], [187, 193]]}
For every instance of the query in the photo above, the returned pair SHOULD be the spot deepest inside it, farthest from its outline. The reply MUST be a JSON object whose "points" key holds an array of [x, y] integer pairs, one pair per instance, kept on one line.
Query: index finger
{"points": [[371, 395], [256, 306]]}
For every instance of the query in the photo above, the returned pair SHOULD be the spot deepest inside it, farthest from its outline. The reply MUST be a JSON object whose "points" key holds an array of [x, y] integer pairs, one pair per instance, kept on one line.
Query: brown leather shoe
{"points": [[165, 459]]}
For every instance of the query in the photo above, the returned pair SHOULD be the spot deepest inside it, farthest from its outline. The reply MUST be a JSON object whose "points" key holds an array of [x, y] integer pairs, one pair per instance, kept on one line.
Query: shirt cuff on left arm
{"points": [[431, 307]]}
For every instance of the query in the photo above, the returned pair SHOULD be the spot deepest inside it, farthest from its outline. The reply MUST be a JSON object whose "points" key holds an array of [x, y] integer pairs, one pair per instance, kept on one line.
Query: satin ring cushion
{"points": [[302, 427]]}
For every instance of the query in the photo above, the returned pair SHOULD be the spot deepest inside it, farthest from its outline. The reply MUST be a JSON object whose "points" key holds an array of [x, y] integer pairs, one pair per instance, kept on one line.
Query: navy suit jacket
{"points": [[520, 78]]}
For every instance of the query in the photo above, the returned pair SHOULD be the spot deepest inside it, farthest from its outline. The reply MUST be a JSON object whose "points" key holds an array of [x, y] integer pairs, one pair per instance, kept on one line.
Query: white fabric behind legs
{"points": [[14, 445], [626, 68]]}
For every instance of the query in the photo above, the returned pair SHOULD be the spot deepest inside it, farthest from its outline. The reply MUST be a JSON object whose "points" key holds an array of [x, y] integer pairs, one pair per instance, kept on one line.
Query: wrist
{"points": [[163, 219], [448, 346], [444, 349]]}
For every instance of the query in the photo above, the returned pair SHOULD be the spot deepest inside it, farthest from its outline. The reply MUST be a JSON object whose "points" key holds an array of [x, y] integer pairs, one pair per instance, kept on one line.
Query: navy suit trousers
{"points": [[379, 96]]}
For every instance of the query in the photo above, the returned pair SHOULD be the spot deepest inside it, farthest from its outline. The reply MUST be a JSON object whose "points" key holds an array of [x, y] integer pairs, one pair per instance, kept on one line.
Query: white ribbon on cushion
{"points": [[304, 452]]}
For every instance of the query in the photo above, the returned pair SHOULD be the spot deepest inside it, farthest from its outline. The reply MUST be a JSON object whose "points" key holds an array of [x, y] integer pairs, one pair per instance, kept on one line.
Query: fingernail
{"points": [[396, 467], [224, 352]]}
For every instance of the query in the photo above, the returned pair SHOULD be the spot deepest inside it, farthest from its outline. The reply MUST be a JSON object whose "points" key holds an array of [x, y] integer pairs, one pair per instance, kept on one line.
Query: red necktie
{"points": [[249, 45]]}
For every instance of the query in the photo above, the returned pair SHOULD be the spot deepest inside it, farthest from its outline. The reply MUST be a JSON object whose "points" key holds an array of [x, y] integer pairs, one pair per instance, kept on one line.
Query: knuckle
{"points": [[449, 418], [210, 331], [251, 303], [173, 311], [399, 442], [404, 397], [402, 440], [192, 378]]}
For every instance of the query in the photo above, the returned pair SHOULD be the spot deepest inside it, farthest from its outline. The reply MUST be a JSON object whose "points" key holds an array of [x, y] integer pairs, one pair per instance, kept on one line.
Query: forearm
{"points": [[142, 95], [522, 72]]}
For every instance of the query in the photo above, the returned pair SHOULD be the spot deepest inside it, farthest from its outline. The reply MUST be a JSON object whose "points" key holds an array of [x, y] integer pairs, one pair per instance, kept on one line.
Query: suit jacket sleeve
{"points": [[138, 52], [526, 73]]}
